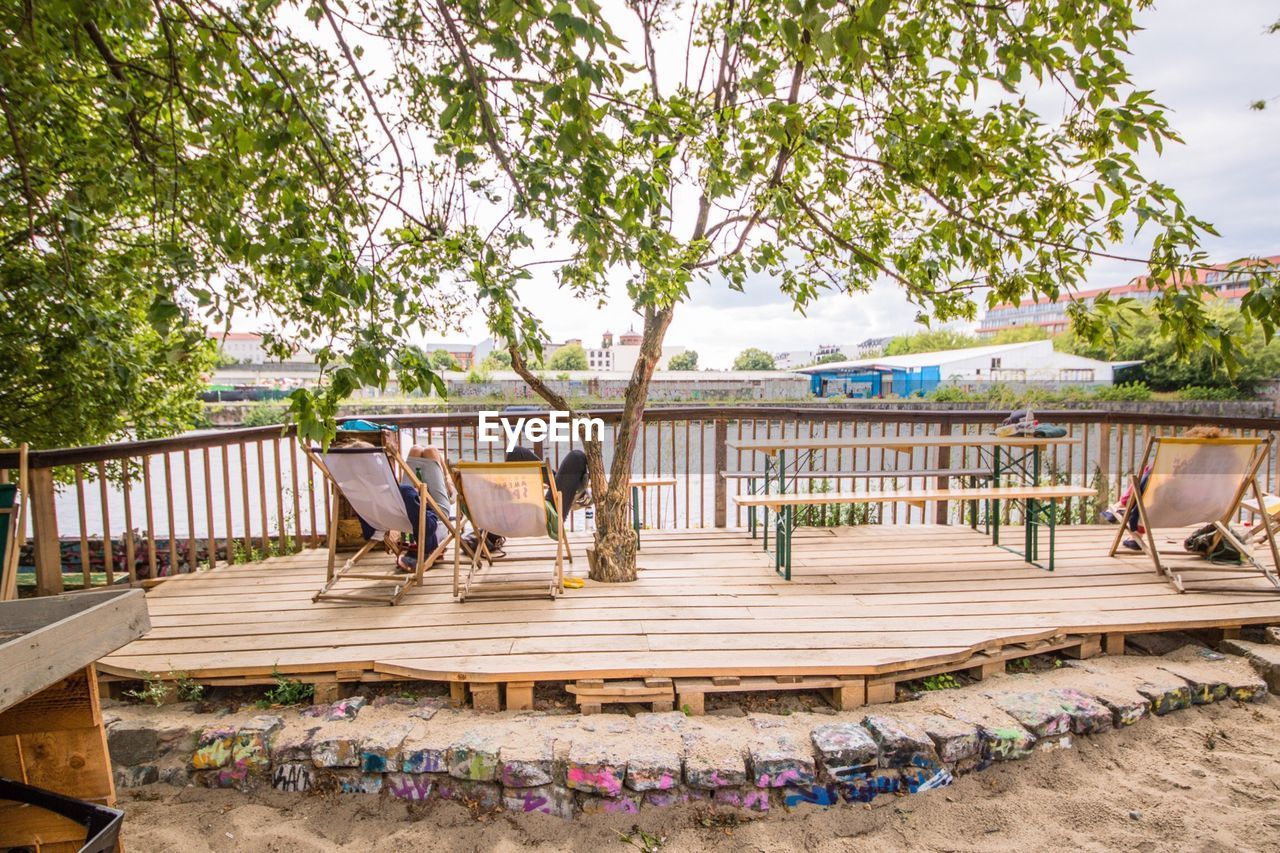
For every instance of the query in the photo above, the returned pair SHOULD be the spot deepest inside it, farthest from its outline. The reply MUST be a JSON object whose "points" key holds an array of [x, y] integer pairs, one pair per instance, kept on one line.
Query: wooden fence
{"points": [[139, 510]]}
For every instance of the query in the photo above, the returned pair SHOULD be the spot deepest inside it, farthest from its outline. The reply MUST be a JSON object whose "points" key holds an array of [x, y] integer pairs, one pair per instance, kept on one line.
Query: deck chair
{"points": [[12, 528], [506, 499], [1198, 481], [366, 477]]}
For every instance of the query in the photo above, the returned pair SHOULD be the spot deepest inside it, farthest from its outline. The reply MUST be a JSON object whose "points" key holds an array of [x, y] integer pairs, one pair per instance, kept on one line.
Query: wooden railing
{"points": [[133, 511]]}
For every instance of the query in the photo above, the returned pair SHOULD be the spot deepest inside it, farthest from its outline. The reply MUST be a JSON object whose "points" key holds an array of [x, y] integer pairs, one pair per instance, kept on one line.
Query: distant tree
{"points": [[753, 359], [1016, 335], [831, 358], [568, 357], [223, 359], [683, 361], [443, 360], [498, 359], [1163, 368], [931, 340]]}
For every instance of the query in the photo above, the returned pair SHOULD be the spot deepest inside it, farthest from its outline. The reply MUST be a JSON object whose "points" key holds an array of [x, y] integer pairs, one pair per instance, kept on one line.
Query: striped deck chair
{"points": [[12, 527], [1199, 481], [366, 477], [507, 499]]}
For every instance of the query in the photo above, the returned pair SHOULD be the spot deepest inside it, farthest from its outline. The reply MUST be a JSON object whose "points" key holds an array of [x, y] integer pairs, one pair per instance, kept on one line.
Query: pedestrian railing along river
{"points": [[138, 510]]}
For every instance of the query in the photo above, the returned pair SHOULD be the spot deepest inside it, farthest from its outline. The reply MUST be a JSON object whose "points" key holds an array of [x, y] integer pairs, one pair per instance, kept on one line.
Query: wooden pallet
{"points": [[843, 692], [884, 688], [592, 693]]}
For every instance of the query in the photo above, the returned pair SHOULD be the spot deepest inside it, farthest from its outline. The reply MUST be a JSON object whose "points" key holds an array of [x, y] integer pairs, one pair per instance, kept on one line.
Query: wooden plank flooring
{"points": [[865, 600]]}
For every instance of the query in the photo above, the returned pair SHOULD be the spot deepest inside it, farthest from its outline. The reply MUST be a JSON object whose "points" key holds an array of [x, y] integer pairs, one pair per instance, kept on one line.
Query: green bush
{"points": [[1125, 392], [1202, 392], [259, 414]]}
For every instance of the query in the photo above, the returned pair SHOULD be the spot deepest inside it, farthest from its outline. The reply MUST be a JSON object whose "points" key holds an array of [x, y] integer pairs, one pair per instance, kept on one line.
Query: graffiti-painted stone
{"points": [[1126, 706], [266, 724], [865, 787], [138, 774], [958, 743], [1042, 715], [1088, 715], [1264, 658], [778, 762], [822, 795], [292, 745], [596, 804], [335, 748], [714, 763], [749, 799], [481, 796], [526, 765], [414, 787], [345, 709], [844, 750], [355, 782], [900, 741], [1166, 697], [252, 751], [545, 799], [595, 768], [1007, 742], [654, 768], [674, 797], [294, 777], [426, 752], [381, 749], [428, 707], [213, 748], [178, 775], [474, 757]]}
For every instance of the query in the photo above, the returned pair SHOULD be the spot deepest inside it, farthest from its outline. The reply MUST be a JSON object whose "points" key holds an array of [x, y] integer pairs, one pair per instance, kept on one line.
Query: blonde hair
{"points": [[1205, 431]]}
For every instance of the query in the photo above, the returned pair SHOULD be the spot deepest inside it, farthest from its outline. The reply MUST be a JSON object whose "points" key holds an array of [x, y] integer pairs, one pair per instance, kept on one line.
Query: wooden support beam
{"points": [[986, 670], [328, 692], [1089, 647], [44, 518], [484, 696], [520, 695], [1113, 644], [457, 693], [852, 693], [879, 692], [692, 702]]}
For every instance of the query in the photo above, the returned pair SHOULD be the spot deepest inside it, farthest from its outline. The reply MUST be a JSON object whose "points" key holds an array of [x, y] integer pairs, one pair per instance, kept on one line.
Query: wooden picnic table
{"points": [[1010, 455]]}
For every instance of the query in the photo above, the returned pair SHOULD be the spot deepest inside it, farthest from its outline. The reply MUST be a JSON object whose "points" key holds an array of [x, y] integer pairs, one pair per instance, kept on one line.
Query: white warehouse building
{"points": [[901, 375]]}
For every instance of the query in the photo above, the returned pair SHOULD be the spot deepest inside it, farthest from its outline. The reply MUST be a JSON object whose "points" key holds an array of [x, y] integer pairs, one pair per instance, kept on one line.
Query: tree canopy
{"points": [[568, 357], [753, 358], [443, 360], [687, 360], [936, 340]]}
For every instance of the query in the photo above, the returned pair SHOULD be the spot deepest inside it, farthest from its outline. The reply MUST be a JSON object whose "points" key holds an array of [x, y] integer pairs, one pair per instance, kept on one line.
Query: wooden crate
{"points": [[51, 733], [592, 693]]}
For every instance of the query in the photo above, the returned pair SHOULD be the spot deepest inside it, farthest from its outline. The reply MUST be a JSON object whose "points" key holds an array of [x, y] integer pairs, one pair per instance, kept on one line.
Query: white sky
{"points": [[1206, 62]]}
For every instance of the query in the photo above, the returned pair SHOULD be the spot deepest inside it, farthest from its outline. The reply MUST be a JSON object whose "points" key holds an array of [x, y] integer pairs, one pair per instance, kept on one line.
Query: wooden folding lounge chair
{"points": [[12, 528], [1199, 481], [366, 477], [506, 499]]}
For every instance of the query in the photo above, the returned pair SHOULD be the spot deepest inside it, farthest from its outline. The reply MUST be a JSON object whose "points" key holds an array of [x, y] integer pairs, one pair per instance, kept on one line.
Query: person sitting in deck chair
{"points": [[405, 561], [570, 482], [1115, 512]]}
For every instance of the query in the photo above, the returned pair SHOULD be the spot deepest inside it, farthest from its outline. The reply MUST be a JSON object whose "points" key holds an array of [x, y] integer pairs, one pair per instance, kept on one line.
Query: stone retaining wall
{"points": [[566, 765]]}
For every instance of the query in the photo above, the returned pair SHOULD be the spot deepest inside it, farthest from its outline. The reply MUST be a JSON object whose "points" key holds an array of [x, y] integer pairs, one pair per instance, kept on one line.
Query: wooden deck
{"points": [[866, 602]]}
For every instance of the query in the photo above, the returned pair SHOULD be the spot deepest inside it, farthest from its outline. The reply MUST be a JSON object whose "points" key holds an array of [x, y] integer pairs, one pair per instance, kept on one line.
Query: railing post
{"points": [[940, 509], [721, 462], [1104, 468], [44, 519]]}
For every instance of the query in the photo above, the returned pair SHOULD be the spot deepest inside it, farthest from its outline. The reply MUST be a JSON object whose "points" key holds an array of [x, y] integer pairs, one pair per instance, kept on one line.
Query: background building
{"points": [[247, 348], [920, 373], [1051, 314]]}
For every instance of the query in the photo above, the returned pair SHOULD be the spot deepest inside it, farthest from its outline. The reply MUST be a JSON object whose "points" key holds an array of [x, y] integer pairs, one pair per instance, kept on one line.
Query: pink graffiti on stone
{"points": [[601, 781], [408, 786], [780, 780]]}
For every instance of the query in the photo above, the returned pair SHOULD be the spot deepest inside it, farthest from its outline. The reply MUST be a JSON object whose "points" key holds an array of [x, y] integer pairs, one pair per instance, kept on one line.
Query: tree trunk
{"points": [[615, 541]]}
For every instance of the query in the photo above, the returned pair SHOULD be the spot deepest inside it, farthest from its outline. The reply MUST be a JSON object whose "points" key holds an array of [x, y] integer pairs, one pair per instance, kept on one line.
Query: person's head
{"points": [[1204, 431]]}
